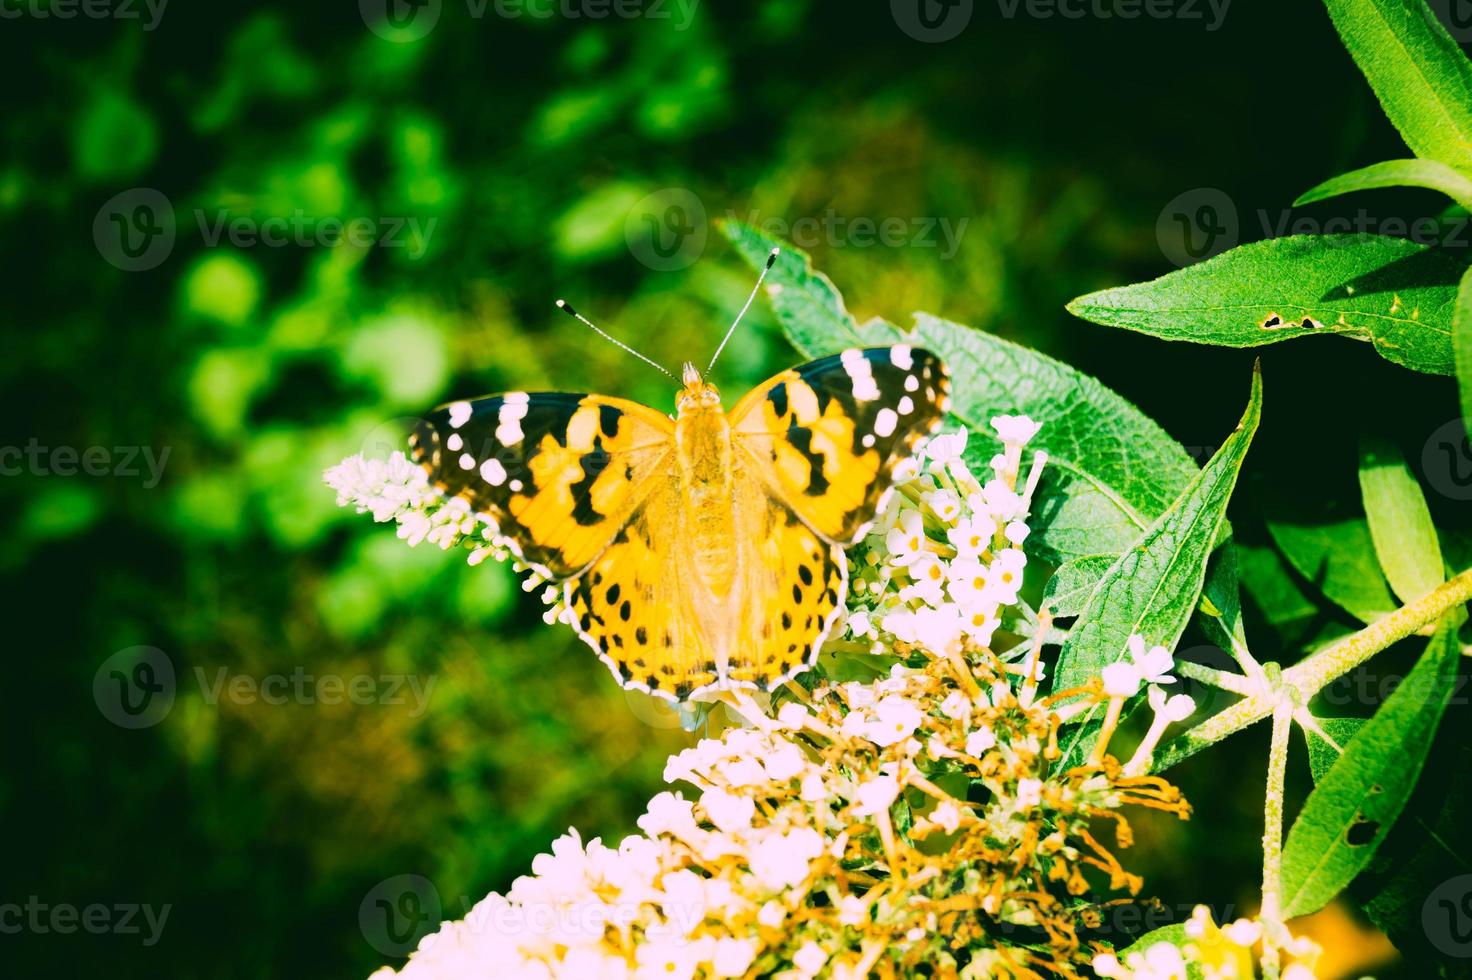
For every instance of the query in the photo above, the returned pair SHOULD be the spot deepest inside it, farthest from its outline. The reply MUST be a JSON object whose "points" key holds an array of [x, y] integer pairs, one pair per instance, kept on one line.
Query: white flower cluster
{"points": [[906, 811], [944, 557]]}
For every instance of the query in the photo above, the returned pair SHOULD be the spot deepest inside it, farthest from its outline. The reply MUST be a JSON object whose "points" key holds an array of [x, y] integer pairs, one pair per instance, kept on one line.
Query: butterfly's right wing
{"points": [[557, 474]]}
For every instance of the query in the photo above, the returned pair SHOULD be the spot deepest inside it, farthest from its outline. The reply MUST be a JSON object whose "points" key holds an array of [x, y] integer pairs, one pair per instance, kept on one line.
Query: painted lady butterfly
{"points": [[705, 550]]}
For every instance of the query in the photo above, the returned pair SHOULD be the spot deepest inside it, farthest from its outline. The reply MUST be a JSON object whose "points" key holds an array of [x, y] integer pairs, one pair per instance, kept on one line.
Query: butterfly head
{"points": [[696, 394]]}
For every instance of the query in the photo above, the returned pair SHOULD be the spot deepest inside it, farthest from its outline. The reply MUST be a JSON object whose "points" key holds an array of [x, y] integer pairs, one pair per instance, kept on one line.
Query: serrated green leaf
{"points": [[1462, 345], [1068, 591], [1154, 586], [1420, 76], [1393, 293], [1400, 522], [1111, 470], [1359, 798], [1395, 173]]}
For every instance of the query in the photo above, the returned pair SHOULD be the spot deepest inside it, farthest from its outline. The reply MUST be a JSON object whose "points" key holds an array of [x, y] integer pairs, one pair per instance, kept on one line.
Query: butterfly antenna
{"points": [[771, 260], [564, 307]]}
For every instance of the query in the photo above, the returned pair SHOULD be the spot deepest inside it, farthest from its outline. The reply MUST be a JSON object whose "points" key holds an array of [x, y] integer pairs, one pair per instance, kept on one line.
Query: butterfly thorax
{"points": [[703, 444]]}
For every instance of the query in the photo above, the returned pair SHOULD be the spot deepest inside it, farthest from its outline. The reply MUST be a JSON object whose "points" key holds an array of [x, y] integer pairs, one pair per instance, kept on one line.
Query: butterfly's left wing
{"points": [[825, 437], [558, 474]]}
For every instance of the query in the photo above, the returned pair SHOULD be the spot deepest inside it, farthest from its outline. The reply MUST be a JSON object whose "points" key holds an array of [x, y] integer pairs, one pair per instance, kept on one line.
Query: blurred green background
{"points": [[501, 162]]}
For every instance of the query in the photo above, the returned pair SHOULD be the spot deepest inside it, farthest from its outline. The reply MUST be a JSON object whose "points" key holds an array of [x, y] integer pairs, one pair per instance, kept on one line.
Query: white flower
{"points": [[1029, 793], [793, 716], [1000, 500], [945, 503], [967, 581], [784, 762], [980, 740], [732, 957], [972, 535], [1016, 532], [876, 795], [1154, 664], [945, 447], [1121, 680], [906, 540], [728, 811], [1175, 709], [809, 959], [1004, 576], [666, 958], [1016, 430], [852, 910], [894, 718], [947, 816], [671, 814], [956, 705], [781, 861]]}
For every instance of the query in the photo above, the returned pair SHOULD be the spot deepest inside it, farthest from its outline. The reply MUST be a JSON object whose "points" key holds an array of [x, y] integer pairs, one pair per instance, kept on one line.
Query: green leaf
{"points": [[1359, 798], [1420, 76], [1270, 583], [1395, 173], [1175, 934], [1462, 345], [1110, 471], [1068, 591], [1400, 522], [1321, 754], [1154, 586], [1338, 558], [1393, 293]]}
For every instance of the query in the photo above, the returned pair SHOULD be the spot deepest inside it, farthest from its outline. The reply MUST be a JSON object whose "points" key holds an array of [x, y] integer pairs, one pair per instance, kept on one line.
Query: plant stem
{"points": [[1309, 676], [1235, 683], [1272, 840]]}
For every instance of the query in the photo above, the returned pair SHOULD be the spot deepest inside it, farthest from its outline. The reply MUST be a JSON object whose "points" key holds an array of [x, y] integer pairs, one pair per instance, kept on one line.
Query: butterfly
{"points": [[703, 550]]}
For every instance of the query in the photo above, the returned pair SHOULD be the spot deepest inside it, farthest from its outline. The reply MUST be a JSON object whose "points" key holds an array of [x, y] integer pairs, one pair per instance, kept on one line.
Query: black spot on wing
{"points": [[778, 398], [801, 439]]}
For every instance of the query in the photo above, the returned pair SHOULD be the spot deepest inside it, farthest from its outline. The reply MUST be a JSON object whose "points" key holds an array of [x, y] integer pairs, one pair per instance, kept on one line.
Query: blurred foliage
{"points": [[511, 156]]}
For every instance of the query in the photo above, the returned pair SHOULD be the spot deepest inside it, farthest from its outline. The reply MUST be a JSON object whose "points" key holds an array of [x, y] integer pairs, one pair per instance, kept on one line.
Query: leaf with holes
{"points": [[1359, 798], [1395, 294]]}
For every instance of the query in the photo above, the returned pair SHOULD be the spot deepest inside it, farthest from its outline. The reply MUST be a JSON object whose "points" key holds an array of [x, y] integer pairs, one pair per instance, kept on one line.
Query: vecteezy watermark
{"points": [[147, 12], [35, 459], [667, 230], [934, 21], [839, 231], [1454, 15], [98, 918], [398, 912], [1203, 221], [403, 21], [1446, 460], [1197, 224], [1366, 687], [136, 688], [1446, 915], [136, 230]]}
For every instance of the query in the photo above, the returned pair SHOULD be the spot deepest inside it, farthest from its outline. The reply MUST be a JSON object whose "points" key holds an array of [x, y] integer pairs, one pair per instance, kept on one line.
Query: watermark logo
{"points": [[98, 919], [1446, 916], [932, 21], [134, 230], [666, 230], [862, 231], [34, 459], [1196, 225], [1446, 459], [134, 688], [398, 912], [400, 21], [147, 12], [1454, 15]]}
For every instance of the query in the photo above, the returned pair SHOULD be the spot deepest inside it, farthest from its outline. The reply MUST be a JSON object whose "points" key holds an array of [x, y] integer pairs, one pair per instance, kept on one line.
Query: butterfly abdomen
{"points": [[703, 443]]}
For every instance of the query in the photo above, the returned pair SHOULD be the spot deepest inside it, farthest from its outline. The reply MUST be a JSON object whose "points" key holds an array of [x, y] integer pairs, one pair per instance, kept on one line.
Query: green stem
{"points": [[1309, 676], [1272, 840]]}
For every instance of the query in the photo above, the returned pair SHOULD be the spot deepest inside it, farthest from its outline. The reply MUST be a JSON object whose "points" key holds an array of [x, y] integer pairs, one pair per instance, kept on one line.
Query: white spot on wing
{"points": [[861, 374], [515, 486], [906, 406], [912, 383], [899, 356], [467, 461], [459, 414], [868, 439], [455, 443], [885, 421]]}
